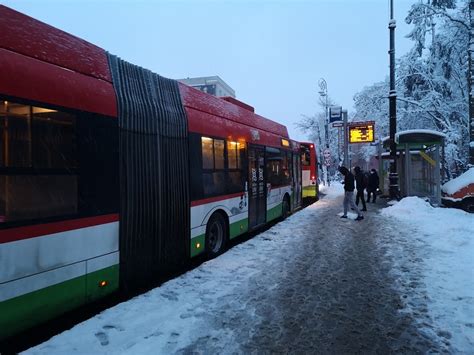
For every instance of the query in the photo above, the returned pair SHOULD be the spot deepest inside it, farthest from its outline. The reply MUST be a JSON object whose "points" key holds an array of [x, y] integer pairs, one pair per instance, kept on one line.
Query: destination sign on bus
{"points": [[361, 132]]}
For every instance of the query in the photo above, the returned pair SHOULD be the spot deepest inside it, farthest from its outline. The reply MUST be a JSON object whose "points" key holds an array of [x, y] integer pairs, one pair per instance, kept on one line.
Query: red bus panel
{"points": [[25, 77], [25, 35], [215, 126]]}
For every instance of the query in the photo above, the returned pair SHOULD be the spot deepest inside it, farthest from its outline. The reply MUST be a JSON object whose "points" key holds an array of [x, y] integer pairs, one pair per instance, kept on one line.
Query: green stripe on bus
{"points": [[197, 245], [23, 312], [274, 212], [238, 228], [309, 191]]}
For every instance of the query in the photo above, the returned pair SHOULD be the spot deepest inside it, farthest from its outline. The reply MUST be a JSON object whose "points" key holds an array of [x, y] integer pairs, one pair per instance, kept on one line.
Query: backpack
{"points": [[365, 180]]}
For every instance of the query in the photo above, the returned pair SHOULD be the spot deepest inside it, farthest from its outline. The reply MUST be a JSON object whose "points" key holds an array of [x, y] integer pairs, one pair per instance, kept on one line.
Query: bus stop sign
{"points": [[335, 114]]}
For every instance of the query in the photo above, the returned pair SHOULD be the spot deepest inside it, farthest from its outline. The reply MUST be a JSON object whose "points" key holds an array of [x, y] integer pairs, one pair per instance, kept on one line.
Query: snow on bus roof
{"points": [[460, 182]]}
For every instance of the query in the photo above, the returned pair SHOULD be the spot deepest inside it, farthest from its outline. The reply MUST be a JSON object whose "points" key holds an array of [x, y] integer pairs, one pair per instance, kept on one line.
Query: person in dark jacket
{"points": [[349, 193], [373, 185], [360, 186]]}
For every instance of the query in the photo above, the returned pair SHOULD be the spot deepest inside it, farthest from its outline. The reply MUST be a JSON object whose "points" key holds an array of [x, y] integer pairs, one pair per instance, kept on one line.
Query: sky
{"points": [[272, 53]]}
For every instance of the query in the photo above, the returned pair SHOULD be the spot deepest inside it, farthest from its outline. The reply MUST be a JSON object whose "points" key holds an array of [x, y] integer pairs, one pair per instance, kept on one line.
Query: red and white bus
{"points": [[111, 175], [309, 164]]}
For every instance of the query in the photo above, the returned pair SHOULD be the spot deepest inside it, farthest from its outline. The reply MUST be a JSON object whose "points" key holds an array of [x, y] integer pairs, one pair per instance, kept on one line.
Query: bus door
{"points": [[297, 181], [257, 188]]}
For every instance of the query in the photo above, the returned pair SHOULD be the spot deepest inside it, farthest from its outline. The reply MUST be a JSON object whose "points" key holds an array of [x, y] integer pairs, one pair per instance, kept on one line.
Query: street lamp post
{"points": [[324, 93], [393, 176]]}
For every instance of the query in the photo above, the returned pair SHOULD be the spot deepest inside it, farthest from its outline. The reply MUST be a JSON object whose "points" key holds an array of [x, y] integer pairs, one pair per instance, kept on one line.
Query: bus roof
{"points": [[46, 64], [203, 102]]}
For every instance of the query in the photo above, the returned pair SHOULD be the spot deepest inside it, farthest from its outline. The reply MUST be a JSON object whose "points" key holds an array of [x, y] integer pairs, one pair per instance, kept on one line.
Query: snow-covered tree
{"points": [[314, 128], [432, 83]]}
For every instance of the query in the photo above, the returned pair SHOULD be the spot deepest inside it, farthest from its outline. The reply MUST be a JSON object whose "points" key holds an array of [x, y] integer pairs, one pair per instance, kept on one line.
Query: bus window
{"points": [[233, 152], [37, 155], [55, 144], [277, 167], [235, 155], [213, 165], [305, 157], [218, 154], [55, 164], [207, 146]]}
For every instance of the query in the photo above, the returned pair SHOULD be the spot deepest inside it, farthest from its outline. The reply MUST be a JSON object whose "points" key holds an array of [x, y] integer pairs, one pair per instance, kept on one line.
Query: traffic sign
{"points": [[337, 124]]}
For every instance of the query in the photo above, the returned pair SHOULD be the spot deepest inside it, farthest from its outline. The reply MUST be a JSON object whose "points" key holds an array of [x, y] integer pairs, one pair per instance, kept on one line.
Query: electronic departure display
{"points": [[361, 132]]}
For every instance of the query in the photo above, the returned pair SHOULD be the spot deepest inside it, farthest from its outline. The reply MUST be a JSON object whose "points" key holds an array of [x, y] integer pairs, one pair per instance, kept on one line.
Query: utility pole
{"points": [[346, 140], [393, 176], [471, 84], [320, 158], [324, 92]]}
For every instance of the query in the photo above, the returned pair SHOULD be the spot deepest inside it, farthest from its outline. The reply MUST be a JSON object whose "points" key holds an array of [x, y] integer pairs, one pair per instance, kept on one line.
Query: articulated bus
{"points": [[111, 175], [310, 171]]}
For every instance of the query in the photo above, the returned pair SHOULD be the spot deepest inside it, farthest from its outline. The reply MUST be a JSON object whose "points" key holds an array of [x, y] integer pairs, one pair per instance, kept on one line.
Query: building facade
{"points": [[211, 85]]}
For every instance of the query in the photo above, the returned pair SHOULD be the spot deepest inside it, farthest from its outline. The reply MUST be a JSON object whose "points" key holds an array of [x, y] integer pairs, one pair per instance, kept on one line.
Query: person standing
{"points": [[361, 184], [349, 193], [373, 185]]}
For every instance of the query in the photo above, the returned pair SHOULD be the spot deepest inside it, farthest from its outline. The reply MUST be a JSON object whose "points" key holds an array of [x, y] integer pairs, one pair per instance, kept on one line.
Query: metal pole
{"points": [[471, 84], [393, 176], [381, 179], [437, 175], [320, 158], [324, 92], [346, 143], [327, 135], [327, 120], [339, 145]]}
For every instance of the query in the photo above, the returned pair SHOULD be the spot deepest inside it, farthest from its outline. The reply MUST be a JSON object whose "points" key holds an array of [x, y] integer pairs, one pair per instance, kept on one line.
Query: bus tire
{"points": [[285, 208], [216, 235]]}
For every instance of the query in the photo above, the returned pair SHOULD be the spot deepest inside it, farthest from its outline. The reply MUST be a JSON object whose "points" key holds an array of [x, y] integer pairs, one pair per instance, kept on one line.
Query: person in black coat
{"points": [[360, 186], [373, 185], [349, 193]]}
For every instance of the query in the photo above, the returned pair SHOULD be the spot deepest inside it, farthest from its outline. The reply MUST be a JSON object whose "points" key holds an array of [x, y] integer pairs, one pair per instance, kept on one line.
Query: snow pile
{"points": [[448, 274], [333, 191], [460, 182]]}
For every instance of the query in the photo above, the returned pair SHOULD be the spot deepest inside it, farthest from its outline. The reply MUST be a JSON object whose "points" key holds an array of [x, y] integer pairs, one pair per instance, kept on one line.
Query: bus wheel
{"points": [[216, 235], [285, 208]]}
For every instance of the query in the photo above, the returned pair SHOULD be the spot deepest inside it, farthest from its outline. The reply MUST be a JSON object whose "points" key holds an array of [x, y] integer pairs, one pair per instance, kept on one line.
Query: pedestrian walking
{"points": [[373, 185], [361, 184], [349, 193]]}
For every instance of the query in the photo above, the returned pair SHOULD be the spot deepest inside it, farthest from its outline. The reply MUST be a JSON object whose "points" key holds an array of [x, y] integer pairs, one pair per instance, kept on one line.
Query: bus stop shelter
{"points": [[419, 155]]}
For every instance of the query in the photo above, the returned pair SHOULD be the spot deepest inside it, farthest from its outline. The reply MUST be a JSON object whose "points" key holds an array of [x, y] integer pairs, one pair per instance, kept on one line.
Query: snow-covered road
{"points": [[314, 283]]}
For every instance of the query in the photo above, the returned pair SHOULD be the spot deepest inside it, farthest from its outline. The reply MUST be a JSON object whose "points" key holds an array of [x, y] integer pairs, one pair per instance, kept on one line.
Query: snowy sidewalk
{"points": [[314, 283]]}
